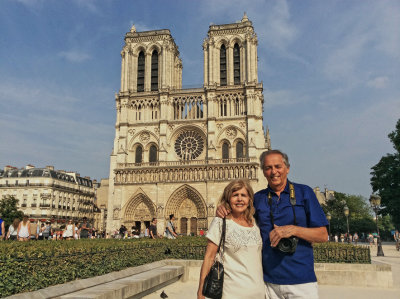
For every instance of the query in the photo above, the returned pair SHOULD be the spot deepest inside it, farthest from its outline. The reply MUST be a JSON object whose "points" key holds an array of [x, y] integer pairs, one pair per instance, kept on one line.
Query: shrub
{"points": [[29, 266]]}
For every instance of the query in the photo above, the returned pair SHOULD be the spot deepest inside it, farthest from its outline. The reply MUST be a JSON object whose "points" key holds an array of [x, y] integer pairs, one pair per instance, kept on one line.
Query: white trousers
{"points": [[292, 291]]}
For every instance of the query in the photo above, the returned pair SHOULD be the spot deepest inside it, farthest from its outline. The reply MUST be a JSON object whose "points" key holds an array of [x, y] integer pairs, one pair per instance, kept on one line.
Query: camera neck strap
{"points": [[292, 203]]}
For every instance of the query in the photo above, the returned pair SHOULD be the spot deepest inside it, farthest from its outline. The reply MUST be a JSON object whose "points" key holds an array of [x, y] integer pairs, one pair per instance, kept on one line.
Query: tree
{"points": [[360, 214], [385, 179], [9, 211]]}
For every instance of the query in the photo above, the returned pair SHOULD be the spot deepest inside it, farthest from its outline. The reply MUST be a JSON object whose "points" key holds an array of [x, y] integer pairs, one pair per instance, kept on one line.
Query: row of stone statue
{"points": [[186, 174]]}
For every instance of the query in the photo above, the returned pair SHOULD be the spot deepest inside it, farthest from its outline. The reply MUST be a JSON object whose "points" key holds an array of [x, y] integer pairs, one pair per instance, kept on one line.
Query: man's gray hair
{"points": [[271, 152]]}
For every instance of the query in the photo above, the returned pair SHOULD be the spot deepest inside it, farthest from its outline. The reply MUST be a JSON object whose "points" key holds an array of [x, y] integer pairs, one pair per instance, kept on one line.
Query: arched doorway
{"points": [[189, 209], [193, 226], [183, 225], [138, 212]]}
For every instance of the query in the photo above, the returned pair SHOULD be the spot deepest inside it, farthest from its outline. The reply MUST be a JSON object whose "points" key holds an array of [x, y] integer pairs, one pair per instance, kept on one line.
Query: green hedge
{"points": [[29, 266], [341, 253]]}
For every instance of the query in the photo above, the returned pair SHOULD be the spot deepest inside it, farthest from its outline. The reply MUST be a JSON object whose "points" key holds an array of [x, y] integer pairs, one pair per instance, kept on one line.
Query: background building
{"points": [[48, 194], [176, 149], [325, 196]]}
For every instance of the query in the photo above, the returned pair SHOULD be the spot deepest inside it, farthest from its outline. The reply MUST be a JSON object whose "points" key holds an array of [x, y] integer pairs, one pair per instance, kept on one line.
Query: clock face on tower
{"points": [[189, 145]]}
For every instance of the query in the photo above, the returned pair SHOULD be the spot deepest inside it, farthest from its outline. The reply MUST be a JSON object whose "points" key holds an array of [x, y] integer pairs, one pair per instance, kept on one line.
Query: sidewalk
{"points": [[392, 257], [188, 290]]}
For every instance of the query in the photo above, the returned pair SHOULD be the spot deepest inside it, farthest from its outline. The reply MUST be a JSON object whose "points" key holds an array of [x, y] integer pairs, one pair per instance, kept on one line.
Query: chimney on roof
{"points": [[62, 171], [50, 167], [87, 177], [29, 166]]}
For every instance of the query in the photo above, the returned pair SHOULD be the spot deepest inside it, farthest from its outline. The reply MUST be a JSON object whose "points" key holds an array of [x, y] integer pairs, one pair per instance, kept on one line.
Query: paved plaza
{"points": [[187, 290]]}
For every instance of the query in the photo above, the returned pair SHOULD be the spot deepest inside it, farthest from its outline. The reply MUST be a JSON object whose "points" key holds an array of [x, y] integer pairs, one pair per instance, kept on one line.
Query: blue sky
{"points": [[330, 69]]}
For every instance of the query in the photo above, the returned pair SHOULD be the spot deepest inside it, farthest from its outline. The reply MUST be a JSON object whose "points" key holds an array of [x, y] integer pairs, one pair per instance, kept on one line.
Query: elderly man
{"points": [[290, 220]]}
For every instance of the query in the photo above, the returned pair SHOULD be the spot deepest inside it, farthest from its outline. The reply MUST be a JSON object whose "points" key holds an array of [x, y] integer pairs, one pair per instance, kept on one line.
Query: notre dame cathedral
{"points": [[176, 149]]}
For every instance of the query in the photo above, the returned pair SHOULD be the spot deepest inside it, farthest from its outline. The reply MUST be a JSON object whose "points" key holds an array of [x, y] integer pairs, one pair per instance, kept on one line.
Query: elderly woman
{"points": [[242, 251]]}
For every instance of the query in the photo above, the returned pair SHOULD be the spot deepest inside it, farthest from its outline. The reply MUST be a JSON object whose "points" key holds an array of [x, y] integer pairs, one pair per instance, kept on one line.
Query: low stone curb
{"points": [[60, 290]]}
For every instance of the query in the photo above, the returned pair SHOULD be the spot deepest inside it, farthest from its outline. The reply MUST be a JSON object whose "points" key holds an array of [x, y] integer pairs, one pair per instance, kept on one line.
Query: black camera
{"points": [[288, 245]]}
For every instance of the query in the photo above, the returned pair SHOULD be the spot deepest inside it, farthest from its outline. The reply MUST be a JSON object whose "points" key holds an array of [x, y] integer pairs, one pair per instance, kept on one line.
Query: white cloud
{"points": [[27, 97], [90, 5], [283, 98], [378, 82], [141, 26], [30, 3], [360, 35], [75, 56], [274, 25]]}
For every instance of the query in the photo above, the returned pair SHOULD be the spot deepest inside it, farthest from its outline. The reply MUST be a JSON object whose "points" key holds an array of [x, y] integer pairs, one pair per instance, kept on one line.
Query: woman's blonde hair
{"points": [[15, 223], [233, 187]]}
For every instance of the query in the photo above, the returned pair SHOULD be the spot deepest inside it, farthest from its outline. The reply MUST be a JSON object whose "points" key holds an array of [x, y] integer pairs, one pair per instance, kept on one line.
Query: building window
{"points": [[153, 154], [138, 112], [222, 66], [239, 150], [223, 108], [138, 154], [225, 151], [189, 145], [236, 64], [140, 72], [154, 71]]}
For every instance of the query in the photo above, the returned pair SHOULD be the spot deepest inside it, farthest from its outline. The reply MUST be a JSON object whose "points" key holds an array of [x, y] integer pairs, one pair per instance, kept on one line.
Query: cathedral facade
{"points": [[176, 149]]}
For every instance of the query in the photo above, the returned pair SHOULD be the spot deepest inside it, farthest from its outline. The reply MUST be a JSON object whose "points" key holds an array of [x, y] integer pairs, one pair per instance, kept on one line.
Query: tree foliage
{"points": [[385, 179], [360, 217], [9, 211]]}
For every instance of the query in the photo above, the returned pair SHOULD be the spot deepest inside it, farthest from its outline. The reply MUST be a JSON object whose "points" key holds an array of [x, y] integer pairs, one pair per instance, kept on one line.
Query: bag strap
{"points": [[292, 203], [222, 241]]}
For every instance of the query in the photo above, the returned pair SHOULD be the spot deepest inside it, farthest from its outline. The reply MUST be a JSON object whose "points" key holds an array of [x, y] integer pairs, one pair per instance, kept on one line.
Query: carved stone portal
{"points": [[139, 209], [189, 209]]}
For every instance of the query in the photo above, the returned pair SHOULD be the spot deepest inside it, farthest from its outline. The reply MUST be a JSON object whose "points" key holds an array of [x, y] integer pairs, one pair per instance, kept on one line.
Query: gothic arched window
{"points": [[140, 72], [239, 150], [222, 66], [154, 71], [225, 151], [153, 154], [236, 64], [138, 154]]}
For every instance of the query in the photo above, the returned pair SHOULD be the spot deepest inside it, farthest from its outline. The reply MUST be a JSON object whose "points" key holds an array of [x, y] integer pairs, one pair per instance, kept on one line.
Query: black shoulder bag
{"points": [[213, 283]]}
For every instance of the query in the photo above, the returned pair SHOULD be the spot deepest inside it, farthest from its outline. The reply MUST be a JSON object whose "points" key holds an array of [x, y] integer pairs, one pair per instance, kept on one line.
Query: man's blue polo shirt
{"points": [[278, 267]]}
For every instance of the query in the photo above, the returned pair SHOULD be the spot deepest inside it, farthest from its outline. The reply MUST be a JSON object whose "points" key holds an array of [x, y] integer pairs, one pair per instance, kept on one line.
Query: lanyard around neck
{"points": [[292, 203]]}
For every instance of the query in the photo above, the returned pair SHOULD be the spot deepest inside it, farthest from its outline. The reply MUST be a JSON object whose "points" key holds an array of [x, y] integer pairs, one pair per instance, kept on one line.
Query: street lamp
{"points": [[375, 201], [346, 213], [329, 217]]}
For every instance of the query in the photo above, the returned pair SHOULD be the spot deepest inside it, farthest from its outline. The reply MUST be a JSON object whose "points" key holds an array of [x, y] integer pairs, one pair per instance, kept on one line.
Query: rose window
{"points": [[189, 145]]}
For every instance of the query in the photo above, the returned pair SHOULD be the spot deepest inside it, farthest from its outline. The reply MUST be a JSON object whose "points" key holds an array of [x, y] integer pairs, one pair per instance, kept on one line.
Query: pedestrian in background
{"points": [[69, 230], [13, 230], [170, 230], [355, 238], [23, 229], [2, 229], [47, 232], [396, 237], [84, 229]]}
